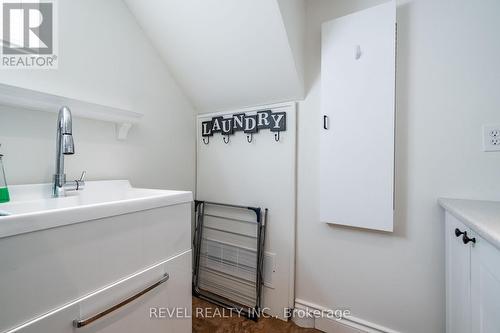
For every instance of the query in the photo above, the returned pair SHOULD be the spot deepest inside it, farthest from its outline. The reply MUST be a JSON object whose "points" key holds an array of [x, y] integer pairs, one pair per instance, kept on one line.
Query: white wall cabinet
{"points": [[357, 135], [472, 281]]}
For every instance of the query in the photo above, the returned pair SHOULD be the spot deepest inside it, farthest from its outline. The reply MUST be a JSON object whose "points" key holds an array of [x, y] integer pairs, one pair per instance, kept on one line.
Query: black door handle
{"points": [[466, 239], [325, 122], [459, 233]]}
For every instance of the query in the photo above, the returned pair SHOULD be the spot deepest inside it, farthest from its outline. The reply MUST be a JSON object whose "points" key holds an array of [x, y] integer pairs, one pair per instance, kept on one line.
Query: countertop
{"points": [[32, 207], [481, 216]]}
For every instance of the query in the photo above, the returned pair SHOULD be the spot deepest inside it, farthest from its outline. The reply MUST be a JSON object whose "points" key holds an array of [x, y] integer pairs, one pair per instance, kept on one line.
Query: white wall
{"points": [[103, 58], [293, 14], [447, 89], [225, 54]]}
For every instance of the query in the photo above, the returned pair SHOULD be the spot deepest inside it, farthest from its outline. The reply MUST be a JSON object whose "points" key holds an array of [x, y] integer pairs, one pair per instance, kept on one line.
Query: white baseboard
{"points": [[348, 324]]}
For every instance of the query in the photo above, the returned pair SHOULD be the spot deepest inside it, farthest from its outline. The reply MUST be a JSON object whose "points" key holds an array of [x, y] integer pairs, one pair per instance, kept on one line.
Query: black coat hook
{"points": [[224, 138], [277, 136], [206, 142], [250, 138]]}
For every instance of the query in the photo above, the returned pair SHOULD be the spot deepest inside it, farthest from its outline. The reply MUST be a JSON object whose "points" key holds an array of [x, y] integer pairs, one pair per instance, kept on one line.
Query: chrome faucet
{"points": [[65, 146]]}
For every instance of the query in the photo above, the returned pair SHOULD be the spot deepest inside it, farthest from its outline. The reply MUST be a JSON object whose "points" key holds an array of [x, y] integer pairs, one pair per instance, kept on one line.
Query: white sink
{"points": [[33, 208]]}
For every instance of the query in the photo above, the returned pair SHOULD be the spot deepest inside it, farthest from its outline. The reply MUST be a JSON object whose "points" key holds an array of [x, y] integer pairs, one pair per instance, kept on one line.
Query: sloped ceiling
{"points": [[228, 53]]}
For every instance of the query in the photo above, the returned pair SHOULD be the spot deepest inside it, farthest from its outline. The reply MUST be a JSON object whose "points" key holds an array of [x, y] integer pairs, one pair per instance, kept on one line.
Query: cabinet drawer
{"points": [[44, 270], [173, 295]]}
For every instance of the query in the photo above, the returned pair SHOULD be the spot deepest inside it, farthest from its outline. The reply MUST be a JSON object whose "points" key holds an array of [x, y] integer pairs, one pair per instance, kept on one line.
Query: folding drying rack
{"points": [[228, 256]]}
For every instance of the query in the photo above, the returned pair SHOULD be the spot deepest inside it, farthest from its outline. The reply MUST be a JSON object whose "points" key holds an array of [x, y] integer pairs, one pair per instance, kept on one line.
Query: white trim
{"points": [[350, 324], [291, 276], [292, 104]]}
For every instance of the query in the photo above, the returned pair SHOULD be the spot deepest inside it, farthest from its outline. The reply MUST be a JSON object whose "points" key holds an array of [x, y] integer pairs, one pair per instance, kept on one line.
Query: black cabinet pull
{"points": [[459, 233], [325, 122], [466, 239]]}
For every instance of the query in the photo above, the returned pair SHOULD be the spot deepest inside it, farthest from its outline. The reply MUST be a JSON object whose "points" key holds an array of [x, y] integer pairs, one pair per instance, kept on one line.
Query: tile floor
{"points": [[217, 324]]}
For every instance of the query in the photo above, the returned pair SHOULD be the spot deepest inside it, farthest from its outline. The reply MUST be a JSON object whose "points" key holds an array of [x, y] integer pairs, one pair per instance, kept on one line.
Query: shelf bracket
{"points": [[122, 130]]}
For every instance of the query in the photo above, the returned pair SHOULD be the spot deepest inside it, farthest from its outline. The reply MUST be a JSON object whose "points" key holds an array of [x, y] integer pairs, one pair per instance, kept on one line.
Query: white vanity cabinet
{"points": [[485, 288], [472, 266], [165, 308], [71, 258], [458, 283]]}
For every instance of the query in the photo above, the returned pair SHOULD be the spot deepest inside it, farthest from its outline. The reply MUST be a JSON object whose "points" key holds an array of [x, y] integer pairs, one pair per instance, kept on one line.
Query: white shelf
{"points": [[40, 101]]}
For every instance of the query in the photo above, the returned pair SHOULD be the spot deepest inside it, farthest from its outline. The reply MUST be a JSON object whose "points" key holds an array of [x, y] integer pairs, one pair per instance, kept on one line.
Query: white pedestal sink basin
{"points": [[33, 208]]}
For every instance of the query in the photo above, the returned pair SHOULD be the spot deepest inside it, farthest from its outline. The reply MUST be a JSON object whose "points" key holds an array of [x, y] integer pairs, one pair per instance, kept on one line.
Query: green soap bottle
{"points": [[4, 191]]}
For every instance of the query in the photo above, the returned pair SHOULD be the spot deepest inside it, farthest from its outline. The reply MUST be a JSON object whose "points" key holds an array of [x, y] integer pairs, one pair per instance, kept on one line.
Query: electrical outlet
{"points": [[491, 137]]}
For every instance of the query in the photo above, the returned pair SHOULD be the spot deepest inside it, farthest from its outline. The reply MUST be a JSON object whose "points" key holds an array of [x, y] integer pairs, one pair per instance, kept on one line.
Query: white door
{"points": [[261, 174], [357, 139], [485, 289], [458, 303]]}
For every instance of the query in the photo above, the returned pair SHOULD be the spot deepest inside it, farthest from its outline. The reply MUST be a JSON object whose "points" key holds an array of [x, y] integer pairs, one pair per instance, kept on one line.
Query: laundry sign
{"points": [[228, 125]]}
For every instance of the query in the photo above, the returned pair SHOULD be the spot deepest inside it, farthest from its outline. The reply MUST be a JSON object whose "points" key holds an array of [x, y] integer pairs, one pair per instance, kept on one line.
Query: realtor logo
{"points": [[28, 35]]}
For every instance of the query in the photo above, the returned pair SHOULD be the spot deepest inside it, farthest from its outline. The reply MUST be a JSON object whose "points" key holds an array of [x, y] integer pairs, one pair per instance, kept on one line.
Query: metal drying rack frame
{"points": [[261, 238]]}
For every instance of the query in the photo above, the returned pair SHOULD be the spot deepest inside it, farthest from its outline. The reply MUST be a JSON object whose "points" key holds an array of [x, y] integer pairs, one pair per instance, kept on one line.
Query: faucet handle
{"points": [[82, 177], [80, 183]]}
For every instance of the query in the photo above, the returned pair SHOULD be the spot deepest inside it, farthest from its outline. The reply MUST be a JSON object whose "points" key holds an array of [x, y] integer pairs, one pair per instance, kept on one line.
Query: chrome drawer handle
{"points": [[85, 322]]}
